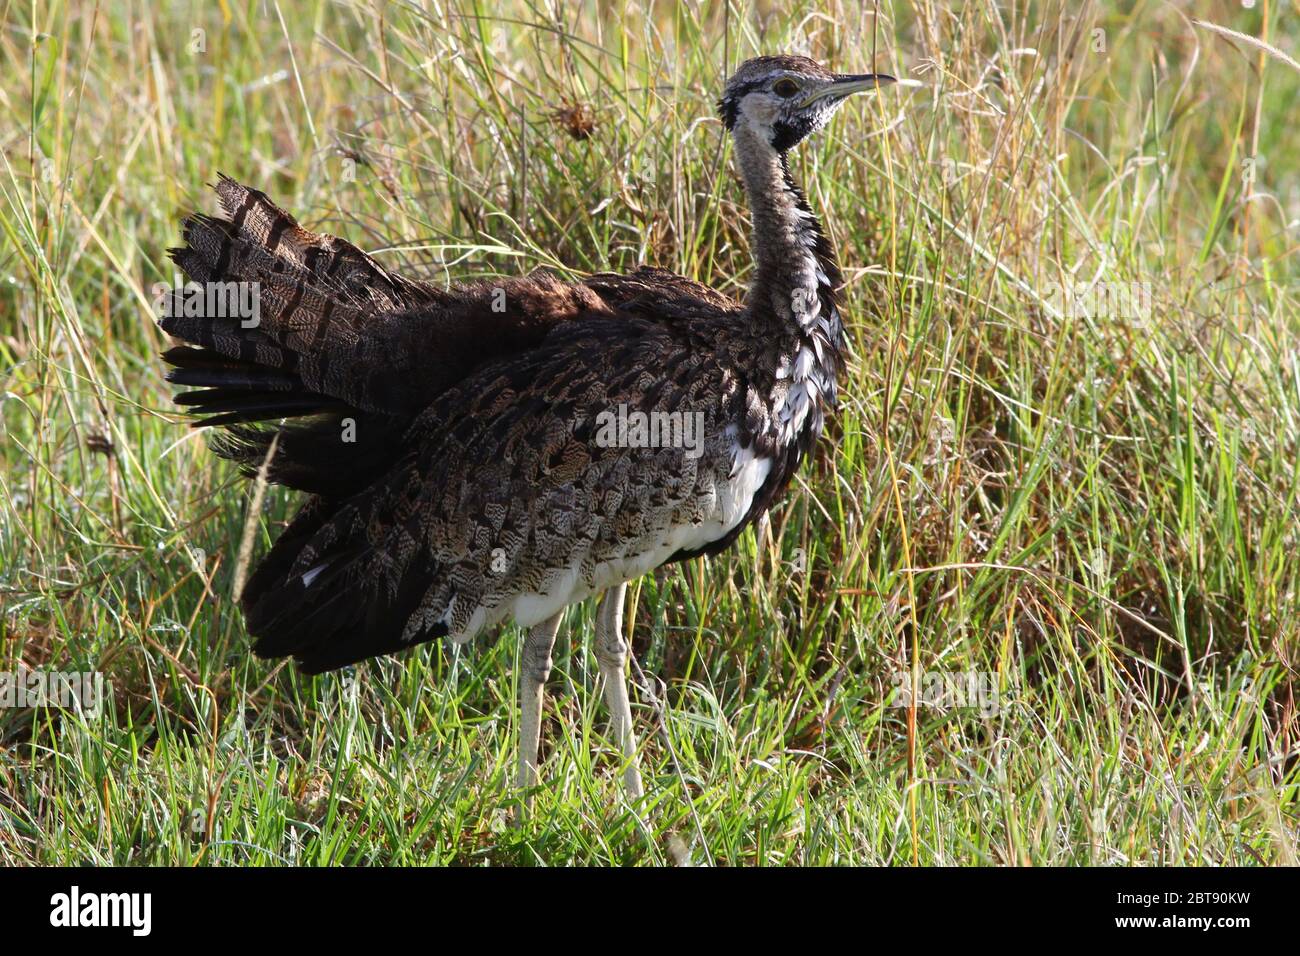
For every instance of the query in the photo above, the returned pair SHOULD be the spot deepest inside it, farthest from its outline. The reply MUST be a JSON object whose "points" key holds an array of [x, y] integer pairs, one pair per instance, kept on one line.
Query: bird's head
{"points": [[784, 98]]}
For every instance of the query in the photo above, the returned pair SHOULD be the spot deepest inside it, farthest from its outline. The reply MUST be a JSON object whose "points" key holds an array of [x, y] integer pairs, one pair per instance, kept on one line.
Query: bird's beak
{"points": [[846, 84]]}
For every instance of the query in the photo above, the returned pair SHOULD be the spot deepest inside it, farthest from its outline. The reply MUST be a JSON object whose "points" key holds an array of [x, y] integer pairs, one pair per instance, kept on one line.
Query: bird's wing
{"points": [[512, 502], [322, 334], [328, 326]]}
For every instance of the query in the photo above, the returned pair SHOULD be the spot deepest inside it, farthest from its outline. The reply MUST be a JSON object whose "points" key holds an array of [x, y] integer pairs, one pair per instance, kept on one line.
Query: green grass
{"points": [[1099, 511]]}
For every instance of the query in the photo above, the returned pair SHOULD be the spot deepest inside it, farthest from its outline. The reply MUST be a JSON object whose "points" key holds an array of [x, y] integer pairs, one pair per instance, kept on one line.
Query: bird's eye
{"points": [[785, 87]]}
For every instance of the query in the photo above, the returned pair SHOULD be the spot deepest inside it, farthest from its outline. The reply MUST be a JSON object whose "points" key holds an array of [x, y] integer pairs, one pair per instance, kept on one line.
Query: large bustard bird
{"points": [[451, 440]]}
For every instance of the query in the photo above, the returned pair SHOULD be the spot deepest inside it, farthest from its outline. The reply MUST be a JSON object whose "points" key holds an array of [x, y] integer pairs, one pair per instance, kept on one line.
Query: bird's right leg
{"points": [[534, 669], [611, 655]]}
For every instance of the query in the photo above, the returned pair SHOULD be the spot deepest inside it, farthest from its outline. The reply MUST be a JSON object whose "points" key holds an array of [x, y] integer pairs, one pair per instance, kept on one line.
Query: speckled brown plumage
{"points": [[475, 485]]}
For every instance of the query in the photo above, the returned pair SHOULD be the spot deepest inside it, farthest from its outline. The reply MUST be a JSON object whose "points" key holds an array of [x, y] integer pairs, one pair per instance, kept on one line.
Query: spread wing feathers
{"points": [[287, 323], [514, 504], [333, 265], [277, 296]]}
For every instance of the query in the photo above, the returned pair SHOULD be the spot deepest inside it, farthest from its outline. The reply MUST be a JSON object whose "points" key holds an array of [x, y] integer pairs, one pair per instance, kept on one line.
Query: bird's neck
{"points": [[794, 293]]}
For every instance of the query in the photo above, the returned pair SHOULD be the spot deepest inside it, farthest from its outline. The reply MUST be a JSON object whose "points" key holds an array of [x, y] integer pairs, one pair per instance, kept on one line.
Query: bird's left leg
{"points": [[534, 669], [611, 655]]}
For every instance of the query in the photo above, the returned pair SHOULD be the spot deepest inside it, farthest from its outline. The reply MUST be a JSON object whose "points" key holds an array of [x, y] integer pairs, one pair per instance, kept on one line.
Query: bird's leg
{"points": [[534, 669], [611, 655]]}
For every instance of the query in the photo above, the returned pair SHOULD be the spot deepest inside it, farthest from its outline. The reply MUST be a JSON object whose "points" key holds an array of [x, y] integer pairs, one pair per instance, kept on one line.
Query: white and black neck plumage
{"points": [[793, 299], [771, 104]]}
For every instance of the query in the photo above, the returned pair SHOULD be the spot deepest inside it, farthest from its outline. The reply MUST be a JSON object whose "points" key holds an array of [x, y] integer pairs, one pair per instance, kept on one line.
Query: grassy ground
{"points": [[1094, 510]]}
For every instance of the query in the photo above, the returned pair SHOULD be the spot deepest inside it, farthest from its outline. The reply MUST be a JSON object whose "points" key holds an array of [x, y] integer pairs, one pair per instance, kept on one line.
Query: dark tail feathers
{"points": [[295, 356]]}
